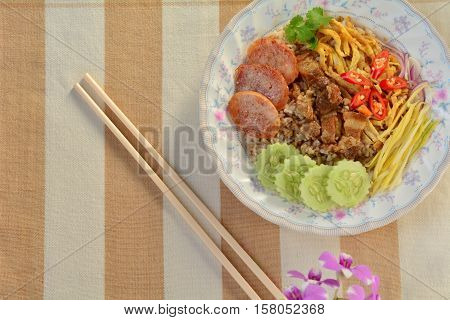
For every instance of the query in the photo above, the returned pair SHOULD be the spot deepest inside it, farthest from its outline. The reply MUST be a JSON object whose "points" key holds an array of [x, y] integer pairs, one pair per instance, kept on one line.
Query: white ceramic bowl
{"points": [[390, 19]]}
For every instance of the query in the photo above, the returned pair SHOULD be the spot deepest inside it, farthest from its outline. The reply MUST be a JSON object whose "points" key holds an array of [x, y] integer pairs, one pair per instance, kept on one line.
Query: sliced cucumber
{"points": [[314, 189], [288, 181], [271, 161], [348, 183]]}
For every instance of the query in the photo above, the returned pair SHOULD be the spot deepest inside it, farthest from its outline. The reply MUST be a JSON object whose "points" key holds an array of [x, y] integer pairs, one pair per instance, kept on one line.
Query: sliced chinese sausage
{"points": [[274, 53], [254, 114], [265, 80]]}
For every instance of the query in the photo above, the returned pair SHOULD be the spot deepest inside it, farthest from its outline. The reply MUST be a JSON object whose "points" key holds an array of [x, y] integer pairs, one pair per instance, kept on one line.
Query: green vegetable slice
{"points": [[348, 183], [288, 181], [271, 161], [314, 189]]}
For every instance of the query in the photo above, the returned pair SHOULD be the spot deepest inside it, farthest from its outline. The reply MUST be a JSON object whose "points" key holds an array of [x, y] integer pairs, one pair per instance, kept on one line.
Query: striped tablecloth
{"points": [[77, 218]]}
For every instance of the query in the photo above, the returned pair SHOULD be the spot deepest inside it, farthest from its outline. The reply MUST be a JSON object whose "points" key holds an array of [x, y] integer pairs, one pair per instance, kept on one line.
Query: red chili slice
{"points": [[393, 83], [379, 64], [377, 105], [360, 98], [356, 78]]}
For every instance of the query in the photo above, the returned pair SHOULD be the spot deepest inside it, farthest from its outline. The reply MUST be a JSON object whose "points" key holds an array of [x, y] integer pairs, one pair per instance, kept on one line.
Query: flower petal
{"points": [[297, 274], [331, 283], [373, 297], [293, 293], [356, 292], [363, 273], [329, 261], [314, 274], [314, 292], [347, 272], [345, 260], [375, 287], [376, 283]]}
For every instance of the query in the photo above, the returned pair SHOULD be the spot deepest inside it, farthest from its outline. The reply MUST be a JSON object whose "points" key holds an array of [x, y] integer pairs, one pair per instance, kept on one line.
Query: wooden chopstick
{"points": [[170, 196], [179, 182]]}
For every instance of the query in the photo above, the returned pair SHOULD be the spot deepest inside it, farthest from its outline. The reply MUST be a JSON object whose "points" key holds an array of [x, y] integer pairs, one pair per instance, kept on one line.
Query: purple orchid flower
{"points": [[375, 295], [314, 277], [356, 292], [344, 265], [311, 292]]}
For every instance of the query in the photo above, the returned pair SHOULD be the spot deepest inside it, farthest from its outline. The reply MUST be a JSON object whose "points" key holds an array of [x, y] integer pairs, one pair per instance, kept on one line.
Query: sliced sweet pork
{"points": [[304, 103], [310, 71], [329, 124], [274, 53], [350, 147], [254, 114], [265, 80], [354, 124], [328, 99], [328, 93], [309, 130]]}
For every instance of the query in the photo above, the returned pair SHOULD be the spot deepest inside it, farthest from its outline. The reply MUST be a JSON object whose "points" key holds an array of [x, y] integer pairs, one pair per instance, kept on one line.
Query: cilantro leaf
{"points": [[291, 29], [317, 18], [297, 20], [304, 31], [291, 35], [305, 34], [313, 43]]}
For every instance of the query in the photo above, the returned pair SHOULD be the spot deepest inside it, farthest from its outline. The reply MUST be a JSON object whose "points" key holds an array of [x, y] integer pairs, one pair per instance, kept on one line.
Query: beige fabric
{"points": [[181, 254], [133, 205], [73, 177], [119, 239], [22, 159]]}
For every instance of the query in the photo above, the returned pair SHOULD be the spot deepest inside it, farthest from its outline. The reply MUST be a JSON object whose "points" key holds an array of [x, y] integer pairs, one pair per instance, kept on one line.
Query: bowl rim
{"points": [[269, 216]]}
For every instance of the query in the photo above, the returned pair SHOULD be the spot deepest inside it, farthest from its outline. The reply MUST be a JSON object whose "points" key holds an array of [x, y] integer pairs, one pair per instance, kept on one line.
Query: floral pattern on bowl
{"points": [[394, 20]]}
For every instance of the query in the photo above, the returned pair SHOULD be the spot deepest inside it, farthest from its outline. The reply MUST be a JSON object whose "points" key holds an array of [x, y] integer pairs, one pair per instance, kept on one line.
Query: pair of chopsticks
{"points": [[179, 182]]}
